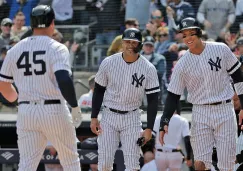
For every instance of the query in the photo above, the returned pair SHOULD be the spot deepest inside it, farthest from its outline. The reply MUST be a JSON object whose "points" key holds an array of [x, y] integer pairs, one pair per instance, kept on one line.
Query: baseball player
{"points": [[120, 83], [205, 70], [40, 68], [169, 155]]}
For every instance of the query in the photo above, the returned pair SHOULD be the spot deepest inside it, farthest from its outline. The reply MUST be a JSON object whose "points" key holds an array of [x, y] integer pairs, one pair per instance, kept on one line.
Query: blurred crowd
{"points": [[221, 21]]}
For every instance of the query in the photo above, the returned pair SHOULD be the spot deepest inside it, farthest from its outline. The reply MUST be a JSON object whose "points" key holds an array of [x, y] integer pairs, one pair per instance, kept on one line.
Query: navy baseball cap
{"points": [[239, 41], [6, 21], [149, 40]]}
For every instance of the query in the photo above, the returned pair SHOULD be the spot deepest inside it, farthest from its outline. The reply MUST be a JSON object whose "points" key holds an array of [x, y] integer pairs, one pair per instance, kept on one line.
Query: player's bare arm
{"points": [[171, 104], [97, 99], [8, 91]]}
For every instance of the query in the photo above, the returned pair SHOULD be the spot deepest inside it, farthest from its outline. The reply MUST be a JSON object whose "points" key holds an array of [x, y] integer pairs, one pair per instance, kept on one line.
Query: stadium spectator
{"points": [[4, 8], [6, 25], [164, 41], [139, 9], [157, 60], [18, 28], [156, 21], [181, 9], [57, 35], [85, 101], [116, 45], [63, 11], [22, 5], [238, 24], [217, 16], [109, 21], [13, 40]]}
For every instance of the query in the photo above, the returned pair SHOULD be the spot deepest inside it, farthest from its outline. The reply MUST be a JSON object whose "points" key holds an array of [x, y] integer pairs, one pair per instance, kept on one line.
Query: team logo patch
{"points": [[184, 24], [132, 34], [216, 64], [137, 81]]}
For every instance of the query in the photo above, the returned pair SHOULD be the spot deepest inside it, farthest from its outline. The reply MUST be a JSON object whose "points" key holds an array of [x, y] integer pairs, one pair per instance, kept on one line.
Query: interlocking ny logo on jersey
{"points": [[137, 81], [215, 64]]}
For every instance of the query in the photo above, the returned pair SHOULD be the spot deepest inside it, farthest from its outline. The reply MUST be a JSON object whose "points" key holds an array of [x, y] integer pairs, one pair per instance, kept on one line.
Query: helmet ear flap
{"points": [[138, 48], [199, 32]]}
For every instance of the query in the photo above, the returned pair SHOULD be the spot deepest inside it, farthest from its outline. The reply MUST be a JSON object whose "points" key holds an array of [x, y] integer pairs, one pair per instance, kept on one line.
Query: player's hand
{"points": [[207, 24], [147, 134], [162, 133], [241, 118], [95, 126], [52, 150], [189, 163], [77, 116]]}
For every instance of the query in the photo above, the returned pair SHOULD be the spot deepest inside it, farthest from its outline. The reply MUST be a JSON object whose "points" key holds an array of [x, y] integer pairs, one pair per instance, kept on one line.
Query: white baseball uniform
{"points": [[85, 101], [125, 85], [207, 79], [177, 130], [31, 64]]}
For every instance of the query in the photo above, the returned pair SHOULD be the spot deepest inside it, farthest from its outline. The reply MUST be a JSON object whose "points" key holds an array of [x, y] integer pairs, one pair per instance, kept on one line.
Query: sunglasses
{"points": [[8, 25], [163, 35], [156, 17]]}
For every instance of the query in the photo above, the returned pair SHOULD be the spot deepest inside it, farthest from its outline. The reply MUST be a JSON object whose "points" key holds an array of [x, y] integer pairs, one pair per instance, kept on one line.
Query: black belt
{"points": [[46, 102], [173, 150], [119, 111], [217, 103]]}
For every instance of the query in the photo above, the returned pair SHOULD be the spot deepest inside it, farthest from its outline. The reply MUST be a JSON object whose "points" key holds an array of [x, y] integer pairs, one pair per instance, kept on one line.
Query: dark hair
{"points": [[19, 13], [131, 21]]}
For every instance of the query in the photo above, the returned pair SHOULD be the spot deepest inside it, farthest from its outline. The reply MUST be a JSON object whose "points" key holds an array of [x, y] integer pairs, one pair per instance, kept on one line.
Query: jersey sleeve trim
{"points": [[234, 67], [6, 77], [152, 90]]}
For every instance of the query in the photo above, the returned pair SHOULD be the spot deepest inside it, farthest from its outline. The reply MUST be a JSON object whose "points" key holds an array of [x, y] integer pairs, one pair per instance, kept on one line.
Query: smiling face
{"points": [[128, 46], [190, 38]]}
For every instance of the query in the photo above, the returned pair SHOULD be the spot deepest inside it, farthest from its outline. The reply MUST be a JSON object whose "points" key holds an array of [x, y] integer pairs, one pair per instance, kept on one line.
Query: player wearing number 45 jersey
{"points": [[206, 70], [40, 68], [120, 83]]}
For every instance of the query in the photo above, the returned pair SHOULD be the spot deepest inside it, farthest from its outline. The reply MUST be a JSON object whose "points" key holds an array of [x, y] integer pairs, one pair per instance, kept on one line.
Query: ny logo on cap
{"points": [[132, 34], [184, 24]]}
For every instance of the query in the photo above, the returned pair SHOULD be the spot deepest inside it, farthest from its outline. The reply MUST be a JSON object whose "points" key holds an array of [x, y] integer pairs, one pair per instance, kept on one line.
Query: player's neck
{"points": [[130, 57], [198, 48], [41, 32]]}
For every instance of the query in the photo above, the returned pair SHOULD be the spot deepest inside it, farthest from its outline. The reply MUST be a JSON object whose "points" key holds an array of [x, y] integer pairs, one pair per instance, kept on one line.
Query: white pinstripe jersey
{"points": [[206, 76], [178, 129], [126, 83], [31, 64]]}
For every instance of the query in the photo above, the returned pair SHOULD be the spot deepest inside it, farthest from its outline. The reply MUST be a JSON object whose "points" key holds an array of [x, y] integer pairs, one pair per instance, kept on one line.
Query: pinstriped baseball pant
{"points": [[214, 125], [119, 127], [38, 123]]}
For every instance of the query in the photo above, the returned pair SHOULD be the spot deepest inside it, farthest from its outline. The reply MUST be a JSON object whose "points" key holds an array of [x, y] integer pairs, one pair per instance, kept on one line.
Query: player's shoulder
{"points": [[113, 57], [216, 45], [146, 62]]}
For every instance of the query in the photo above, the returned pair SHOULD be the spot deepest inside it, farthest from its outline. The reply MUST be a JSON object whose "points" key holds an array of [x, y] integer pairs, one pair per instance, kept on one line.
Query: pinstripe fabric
{"points": [[36, 124], [31, 64], [239, 148], [119, 127], [205, 83], [36, 87], [122, 91], [214, 125]]}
